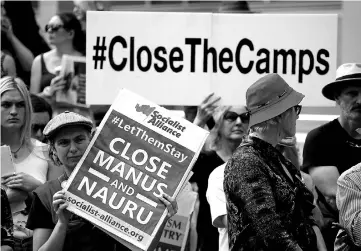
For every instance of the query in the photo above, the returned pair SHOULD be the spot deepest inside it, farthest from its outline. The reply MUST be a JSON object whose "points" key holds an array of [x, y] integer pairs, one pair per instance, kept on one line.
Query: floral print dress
{"points": [[268, 205]]}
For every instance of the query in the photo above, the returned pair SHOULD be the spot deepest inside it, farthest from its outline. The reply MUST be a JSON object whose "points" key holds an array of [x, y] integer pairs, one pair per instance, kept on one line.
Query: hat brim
{"points": [[57, 129], [328, 91], [292, 99]]}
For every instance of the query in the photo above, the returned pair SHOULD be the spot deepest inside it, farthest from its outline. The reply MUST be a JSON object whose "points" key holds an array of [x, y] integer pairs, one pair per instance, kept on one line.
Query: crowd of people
{"points": [[253, 192]]}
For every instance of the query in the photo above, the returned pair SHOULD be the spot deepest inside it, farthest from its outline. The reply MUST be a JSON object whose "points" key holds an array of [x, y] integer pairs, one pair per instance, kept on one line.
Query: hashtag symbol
{"points": [[99, 48], [115, 120]]}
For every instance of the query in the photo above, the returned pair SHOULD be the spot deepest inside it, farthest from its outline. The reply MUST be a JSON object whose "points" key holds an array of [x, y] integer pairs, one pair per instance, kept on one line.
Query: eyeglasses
{"points": [[232, 116], [53, 27], [298, 109]]}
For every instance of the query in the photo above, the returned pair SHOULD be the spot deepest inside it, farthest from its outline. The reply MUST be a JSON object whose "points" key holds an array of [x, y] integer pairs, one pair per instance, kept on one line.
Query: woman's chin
{"points": [[237, 136]]}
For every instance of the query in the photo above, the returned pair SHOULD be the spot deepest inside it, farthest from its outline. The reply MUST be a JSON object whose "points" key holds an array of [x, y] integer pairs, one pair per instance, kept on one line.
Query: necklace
{"points": [[15, 153]]}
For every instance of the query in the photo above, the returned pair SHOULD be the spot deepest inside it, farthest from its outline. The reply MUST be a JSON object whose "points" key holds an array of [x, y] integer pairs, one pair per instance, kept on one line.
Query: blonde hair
{"points": [[215, 134], [10, 83]]}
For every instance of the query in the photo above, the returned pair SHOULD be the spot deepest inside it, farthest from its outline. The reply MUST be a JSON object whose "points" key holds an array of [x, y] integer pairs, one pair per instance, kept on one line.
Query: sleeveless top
{"points": [[46, 76]]}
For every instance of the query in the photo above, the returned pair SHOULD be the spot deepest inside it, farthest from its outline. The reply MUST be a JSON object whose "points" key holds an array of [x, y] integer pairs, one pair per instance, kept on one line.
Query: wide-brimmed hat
{"points": [[269, 97], [346, 75], [66, 119]]}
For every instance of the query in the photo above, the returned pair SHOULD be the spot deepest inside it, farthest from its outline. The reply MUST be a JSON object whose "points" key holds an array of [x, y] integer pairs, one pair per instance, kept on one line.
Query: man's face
{"points": [[349, 101], [39, 121]]}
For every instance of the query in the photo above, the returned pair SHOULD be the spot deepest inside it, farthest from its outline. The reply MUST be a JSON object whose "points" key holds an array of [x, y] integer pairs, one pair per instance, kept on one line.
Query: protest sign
{"points": [[175, 233], [7, 165], [139, 152], [179, 58], [73, 69]]}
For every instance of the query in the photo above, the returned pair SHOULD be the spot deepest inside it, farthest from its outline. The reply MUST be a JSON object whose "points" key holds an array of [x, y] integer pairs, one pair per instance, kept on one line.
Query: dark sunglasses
{"points": [[298, 109], [53, 27], [232, 116]]}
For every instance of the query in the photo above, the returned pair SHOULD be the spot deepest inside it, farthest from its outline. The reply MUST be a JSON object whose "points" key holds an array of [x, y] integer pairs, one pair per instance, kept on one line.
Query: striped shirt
{"points": [[348, 200]]}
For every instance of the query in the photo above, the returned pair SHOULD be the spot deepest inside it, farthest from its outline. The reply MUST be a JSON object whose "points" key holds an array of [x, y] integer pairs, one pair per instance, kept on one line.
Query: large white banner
{"points": [[179, 58]]}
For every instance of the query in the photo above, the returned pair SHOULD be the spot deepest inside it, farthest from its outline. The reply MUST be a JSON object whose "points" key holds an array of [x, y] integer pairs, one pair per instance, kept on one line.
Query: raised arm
{"points": [[205, 110], [35, 76], [24, 55], [9, 66]]}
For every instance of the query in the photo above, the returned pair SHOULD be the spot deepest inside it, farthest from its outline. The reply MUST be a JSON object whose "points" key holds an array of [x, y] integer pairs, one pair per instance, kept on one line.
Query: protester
{"points": [[30, 163], [66, 36], [55, 228], [228, 121], [334, 147], [348, 199], [42, 113], [8, 67], [225, 136], [268, 206]]}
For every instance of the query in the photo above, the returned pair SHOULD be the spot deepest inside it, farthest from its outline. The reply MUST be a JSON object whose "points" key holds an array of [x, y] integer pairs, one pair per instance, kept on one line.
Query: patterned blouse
{"points": [[267, 210]]}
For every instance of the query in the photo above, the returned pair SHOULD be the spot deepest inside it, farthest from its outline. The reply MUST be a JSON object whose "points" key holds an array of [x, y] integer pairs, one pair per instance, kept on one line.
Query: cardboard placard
{"points": [[139, 151], [179, 58], [73, 70], [7, 164]]}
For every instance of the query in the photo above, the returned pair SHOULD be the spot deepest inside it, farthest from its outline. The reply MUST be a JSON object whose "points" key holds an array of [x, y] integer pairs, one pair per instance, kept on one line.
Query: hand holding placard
{"points": [[136, 156]]}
